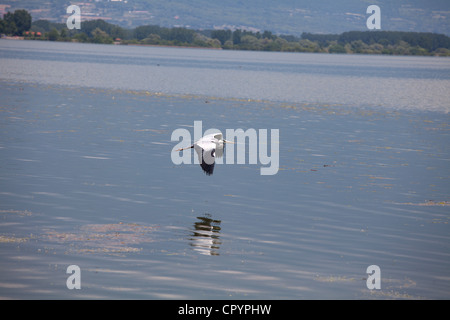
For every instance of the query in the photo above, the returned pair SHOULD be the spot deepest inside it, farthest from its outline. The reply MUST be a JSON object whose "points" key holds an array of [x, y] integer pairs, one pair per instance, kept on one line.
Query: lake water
{"points": [[86, 176]]}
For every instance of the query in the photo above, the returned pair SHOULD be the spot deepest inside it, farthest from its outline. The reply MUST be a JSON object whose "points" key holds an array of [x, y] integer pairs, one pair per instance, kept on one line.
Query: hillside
{"points": [[281, 17]]}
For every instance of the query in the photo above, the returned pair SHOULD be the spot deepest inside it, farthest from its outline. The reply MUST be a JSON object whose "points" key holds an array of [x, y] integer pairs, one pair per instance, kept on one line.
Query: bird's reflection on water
{"points": [[205, 236]]}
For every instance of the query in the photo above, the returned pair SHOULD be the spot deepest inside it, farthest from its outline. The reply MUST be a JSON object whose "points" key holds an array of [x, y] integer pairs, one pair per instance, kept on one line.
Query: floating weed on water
{"points": [[105, 238], [151, 130], [392, 289], [288, 107], [334, 279], [427, 203], [392, 294], [439, 221], [6, 214], [17, 212], [5, 239], [379, 178]]}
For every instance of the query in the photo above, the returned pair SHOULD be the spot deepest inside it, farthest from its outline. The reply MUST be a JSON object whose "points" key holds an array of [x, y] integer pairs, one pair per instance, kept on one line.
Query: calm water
{"points": [[86, 176]]}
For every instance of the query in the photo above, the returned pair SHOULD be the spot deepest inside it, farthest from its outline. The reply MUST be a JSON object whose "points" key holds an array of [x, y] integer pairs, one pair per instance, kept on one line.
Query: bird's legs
{"points": [[181, 149]]}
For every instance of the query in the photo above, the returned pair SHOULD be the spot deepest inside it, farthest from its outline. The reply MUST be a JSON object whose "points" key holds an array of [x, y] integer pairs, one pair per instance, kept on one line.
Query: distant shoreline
{"points": [[165, 46], [400, 43], [13, 38], [116, 43], [219, 48]]}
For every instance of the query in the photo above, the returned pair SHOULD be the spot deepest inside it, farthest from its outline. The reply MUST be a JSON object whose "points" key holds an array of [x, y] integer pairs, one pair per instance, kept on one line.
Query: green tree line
{"points": [[361, 42], [15, 23]]}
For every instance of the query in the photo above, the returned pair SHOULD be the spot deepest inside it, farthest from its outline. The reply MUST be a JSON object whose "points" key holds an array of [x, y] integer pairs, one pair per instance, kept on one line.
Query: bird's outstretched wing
{"points": [[207, 168], [206, 156]]}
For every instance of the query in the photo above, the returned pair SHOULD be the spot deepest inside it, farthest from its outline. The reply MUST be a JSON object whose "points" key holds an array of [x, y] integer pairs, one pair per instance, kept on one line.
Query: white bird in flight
{"points": [[208, 148]]}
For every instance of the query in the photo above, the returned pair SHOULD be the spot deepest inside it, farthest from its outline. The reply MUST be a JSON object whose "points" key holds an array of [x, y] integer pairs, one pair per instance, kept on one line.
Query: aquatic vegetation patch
{"points": [[104, 238]]}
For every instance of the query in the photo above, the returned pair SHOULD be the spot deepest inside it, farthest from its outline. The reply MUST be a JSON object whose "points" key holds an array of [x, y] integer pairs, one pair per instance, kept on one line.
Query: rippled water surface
{"points": [[86, 176]]}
